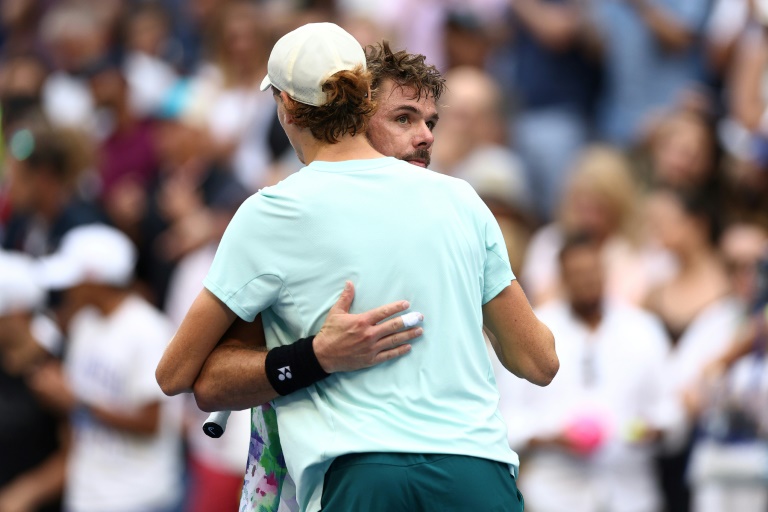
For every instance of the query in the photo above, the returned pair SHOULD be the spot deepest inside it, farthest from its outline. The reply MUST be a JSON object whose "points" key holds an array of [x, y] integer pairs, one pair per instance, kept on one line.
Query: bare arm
{"points": [[38, 486], [205, 323], [524, 345], [668, 31], [144, 421], [52, 388], [233, 377], [747, 104]]}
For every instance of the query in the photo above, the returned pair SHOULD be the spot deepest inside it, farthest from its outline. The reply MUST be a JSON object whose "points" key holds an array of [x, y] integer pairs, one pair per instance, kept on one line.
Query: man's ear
{"points": [[289, 105]]}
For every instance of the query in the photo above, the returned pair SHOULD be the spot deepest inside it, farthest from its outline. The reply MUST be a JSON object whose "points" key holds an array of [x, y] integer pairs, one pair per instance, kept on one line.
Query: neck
{"points": [[110, 299], [349, 147], [124, 119], [694, 258]]}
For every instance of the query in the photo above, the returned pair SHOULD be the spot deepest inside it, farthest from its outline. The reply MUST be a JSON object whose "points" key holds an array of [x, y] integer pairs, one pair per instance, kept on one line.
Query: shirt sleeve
{"points": [[244, 274], [497, 273]]}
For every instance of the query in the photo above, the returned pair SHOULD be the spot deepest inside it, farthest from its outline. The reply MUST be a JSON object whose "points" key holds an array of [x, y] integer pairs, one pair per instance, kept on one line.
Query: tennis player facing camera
{"points": [[420, 432]]}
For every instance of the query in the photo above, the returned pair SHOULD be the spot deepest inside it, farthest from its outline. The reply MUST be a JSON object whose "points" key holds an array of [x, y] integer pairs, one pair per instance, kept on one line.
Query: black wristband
{"points": [[293, 367]]}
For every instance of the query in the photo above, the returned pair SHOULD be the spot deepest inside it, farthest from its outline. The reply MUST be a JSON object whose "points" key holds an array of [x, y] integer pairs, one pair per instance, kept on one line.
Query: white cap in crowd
{"points": [[94, 253], [496, 173], [20, 290], [304, 59]]}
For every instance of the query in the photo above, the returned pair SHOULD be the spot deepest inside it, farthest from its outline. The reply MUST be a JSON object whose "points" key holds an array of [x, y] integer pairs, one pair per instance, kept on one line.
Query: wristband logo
{"points": [[285, 373]]}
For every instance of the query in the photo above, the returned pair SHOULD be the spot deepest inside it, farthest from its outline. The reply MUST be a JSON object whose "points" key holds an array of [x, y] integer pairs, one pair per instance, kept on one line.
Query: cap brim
{"points": [[58, 273], [265, 84]]}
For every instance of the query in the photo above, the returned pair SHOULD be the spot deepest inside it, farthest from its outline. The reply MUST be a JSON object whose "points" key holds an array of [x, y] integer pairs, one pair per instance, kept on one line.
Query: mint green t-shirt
{"points": [[397, 232]]}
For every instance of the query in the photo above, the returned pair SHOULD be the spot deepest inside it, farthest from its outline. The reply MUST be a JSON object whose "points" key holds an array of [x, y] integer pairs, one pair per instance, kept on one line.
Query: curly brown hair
{"points": [[347, 112], [405, 69]]}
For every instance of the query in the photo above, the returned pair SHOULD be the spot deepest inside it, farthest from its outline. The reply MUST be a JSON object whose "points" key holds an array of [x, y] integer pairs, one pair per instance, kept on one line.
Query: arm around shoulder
{"points": [[524, 345]]}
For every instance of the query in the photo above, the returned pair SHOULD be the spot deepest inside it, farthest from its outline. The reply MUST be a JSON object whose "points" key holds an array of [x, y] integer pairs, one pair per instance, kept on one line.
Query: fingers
{"points": [[411, 319], [386, 355], [392, 341], [405, 321], [375, 316], [345, 301]]}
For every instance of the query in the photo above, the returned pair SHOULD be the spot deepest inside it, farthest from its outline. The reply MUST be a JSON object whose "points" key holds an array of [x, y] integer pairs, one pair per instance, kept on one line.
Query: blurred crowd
{"points": [[621, 144]]}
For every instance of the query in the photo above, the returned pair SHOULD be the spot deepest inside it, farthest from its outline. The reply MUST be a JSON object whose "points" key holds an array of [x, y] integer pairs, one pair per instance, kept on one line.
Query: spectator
{"points": [[72, 38], [691, 306], [32, 466], [684, 153], [652, 54], [188, 204], [21, 82], [601, 200], [226, 93], [19, 20], [588, 437], [125, 448], [555, 82], [148, 44], [43, 174], [748, 133], [731, 406], [473, 118], [471, 146], [127, 158]]}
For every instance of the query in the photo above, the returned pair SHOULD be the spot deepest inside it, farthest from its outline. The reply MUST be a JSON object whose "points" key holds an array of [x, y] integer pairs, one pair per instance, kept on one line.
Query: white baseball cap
{"points": [[94, 253], [304, 59], [20, 290]]}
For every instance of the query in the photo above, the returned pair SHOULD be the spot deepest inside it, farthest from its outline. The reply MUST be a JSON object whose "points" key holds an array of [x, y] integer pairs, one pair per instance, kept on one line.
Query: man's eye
{"points": [[402, 119], [431, 125]]}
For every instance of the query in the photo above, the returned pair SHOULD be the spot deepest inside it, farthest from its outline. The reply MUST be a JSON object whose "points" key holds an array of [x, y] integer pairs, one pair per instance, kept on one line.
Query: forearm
{"points": [[536, 361], [553, 25], [199, 333], [233, 378], [38, 486], [669, 32], [145, 421], [524, 345], [747, 103]]}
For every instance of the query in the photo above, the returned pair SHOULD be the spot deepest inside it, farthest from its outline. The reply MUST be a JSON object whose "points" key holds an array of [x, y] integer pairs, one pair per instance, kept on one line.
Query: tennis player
{"points": [[419, 433]]}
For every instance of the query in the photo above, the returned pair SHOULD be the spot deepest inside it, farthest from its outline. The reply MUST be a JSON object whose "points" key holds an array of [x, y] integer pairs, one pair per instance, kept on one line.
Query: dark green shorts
{"points": [[404, 482]]}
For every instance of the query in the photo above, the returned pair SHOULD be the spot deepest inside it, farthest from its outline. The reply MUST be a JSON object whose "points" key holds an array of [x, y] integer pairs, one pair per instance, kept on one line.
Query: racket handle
{"points": [[216, 424]]}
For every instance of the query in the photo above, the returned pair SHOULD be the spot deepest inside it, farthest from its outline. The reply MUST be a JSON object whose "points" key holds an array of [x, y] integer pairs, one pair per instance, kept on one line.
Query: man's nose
{"points": [[424, 137]]}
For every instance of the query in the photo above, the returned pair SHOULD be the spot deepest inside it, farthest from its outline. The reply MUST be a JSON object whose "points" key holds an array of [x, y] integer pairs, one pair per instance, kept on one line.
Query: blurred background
{"points": [[621, 144]]}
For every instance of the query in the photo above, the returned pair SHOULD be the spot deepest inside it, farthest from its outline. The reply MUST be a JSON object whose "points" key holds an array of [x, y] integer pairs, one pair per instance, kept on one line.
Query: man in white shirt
{"points": [[589, 435], [125, 453]]}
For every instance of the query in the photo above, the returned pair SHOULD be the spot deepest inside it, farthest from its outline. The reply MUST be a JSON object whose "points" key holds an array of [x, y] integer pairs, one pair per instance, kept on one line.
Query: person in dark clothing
{"points": [[32, 462], [43, 174]]}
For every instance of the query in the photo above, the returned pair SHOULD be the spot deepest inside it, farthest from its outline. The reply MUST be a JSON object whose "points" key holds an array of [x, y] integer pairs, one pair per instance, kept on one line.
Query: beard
{"points": [[419, 154], [587, 309]]}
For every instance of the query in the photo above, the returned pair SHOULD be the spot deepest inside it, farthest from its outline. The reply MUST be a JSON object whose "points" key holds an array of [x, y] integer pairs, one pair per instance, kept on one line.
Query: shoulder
{"points": [[278, 199]]}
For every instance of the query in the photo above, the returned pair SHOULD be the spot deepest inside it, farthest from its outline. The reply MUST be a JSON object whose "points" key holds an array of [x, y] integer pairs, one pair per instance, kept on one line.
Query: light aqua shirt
{"points": [[397, 232]]}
